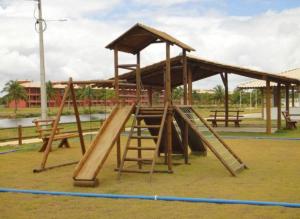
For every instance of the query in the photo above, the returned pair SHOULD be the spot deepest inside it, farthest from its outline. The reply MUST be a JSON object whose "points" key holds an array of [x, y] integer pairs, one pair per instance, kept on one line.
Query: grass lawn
{"points": [[273, 175]]}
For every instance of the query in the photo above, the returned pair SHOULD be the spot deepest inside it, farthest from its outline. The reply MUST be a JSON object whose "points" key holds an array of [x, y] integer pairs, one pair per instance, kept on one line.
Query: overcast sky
{"points": [[260, 34]]}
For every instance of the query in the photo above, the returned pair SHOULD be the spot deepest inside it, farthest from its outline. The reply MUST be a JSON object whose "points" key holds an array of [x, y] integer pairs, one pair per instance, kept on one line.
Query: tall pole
{"points": [[42, 63]]}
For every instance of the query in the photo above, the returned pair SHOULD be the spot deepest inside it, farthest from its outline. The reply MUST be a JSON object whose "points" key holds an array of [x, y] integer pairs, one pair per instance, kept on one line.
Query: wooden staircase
{"points": [[137, 134], [212, 140]]}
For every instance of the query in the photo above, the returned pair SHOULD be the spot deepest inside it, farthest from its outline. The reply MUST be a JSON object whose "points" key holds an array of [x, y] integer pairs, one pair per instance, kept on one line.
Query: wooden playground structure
{"points": [[172, 129]]}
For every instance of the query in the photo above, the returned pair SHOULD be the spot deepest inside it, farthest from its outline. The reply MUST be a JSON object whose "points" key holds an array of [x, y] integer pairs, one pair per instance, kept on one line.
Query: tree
{"points": [[15, 92], [86, 93], [219, 93], [50, 92], [177, 93]]}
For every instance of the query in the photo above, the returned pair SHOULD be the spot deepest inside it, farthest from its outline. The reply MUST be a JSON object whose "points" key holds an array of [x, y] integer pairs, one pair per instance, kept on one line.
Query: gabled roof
{"points": [[140, 36], [153, 75]]}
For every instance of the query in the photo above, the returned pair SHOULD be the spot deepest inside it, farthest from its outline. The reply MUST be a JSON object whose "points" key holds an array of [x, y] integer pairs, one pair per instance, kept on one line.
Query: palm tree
{"points": [[219, 93], [15, 92], [50, 92]]}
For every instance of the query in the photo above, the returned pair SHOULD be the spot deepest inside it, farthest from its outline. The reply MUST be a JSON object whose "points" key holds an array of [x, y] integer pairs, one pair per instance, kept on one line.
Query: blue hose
{"points": [[160, 198], [6, 152]]}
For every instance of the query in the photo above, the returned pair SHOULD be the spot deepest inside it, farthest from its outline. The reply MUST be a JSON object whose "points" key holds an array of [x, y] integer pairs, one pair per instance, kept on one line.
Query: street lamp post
{"points": [[41, 30]]}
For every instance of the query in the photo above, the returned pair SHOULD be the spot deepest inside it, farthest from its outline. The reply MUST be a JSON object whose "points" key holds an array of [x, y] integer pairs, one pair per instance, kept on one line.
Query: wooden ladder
{"points": [[136, 133]]}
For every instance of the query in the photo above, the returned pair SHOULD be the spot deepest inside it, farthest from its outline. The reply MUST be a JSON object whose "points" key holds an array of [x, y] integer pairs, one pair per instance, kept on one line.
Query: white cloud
{"points": [[268, 42]]}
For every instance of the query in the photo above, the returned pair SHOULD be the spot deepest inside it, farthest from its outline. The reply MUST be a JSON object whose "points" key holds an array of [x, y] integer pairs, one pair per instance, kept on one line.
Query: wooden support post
{"points": [[150, 96], [287, 98], [82, 145], [278, 100], [224, 77], [185, 132], [139, 144], [287, 101], [138, 78], [20, 134], [116, 61], [169, 102], [55, 125], [190, 86], [262, 103], [293, 96], [268, 108]]}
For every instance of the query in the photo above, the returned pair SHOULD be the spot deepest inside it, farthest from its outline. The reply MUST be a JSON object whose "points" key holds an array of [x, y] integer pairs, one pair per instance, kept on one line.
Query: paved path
{"points": [[31, 140]]}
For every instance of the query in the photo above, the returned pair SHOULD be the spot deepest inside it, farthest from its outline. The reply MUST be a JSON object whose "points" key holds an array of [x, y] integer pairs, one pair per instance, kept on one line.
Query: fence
{"points": [[20, 133]]}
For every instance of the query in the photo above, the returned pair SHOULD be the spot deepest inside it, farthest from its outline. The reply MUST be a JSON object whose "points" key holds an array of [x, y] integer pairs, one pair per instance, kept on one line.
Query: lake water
{"points": [[10, 123]]}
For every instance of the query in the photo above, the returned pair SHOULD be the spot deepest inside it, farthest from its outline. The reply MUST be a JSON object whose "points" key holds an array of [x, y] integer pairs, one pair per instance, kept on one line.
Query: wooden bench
{"points": [[290, 124], [45, 128], [219, 116]]}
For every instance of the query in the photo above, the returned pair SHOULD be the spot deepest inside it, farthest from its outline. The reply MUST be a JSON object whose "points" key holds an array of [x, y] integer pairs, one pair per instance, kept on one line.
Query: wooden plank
{"points": [[95, 157], [206, 142]]}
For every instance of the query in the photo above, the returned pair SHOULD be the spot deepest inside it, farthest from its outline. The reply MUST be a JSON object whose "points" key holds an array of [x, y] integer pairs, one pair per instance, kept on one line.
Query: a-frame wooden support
{"points": [[69, 90]]}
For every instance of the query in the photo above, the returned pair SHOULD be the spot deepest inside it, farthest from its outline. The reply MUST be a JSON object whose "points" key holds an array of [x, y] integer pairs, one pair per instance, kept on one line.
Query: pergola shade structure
{"points": [[198, 69], [152, 75]]}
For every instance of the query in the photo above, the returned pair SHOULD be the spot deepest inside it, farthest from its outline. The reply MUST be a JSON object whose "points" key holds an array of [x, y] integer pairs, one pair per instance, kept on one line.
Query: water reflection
{"points": [[10, 123]]}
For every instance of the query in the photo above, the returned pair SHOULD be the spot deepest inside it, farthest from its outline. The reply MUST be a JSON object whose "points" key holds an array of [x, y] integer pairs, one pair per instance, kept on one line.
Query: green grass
{"points": [[273, 175]]}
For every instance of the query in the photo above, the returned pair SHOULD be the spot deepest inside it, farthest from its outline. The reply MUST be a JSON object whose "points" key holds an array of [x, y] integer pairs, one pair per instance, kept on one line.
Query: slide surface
{"points": [[211, 139], [94, 158]]}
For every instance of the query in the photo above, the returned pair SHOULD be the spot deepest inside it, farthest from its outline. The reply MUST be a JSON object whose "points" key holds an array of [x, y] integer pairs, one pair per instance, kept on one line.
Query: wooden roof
{"points": [[140, 36], [152, 75]]}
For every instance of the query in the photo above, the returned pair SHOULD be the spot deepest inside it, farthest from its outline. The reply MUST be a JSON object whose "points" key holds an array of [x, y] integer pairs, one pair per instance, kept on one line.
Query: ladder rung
{"points": [[152, 108], [141, 148], [138, 159], [134, 171], [147, 126], [144, 137], [149, 116]]}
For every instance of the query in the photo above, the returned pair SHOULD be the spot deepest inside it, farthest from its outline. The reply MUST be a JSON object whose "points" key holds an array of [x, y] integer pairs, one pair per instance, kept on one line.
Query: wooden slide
{"points": [[89, 166], [211, 139]]}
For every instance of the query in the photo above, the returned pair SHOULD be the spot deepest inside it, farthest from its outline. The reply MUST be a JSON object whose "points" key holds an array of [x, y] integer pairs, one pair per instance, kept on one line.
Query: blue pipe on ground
{"points": [[160, 198], [6, 152]]}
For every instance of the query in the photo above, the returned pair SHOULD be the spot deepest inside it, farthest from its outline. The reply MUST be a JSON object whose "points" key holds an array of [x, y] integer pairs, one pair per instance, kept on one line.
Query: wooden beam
{"points": [[168, 100], [278, 100], [268, 107], [287, 98], [190, 86], [184, 77], [185, 132], [293, 96], [73, 95], [224, 77], [262, 103], [150, 96], [117, 93], [116, 82], [138, 78]]}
